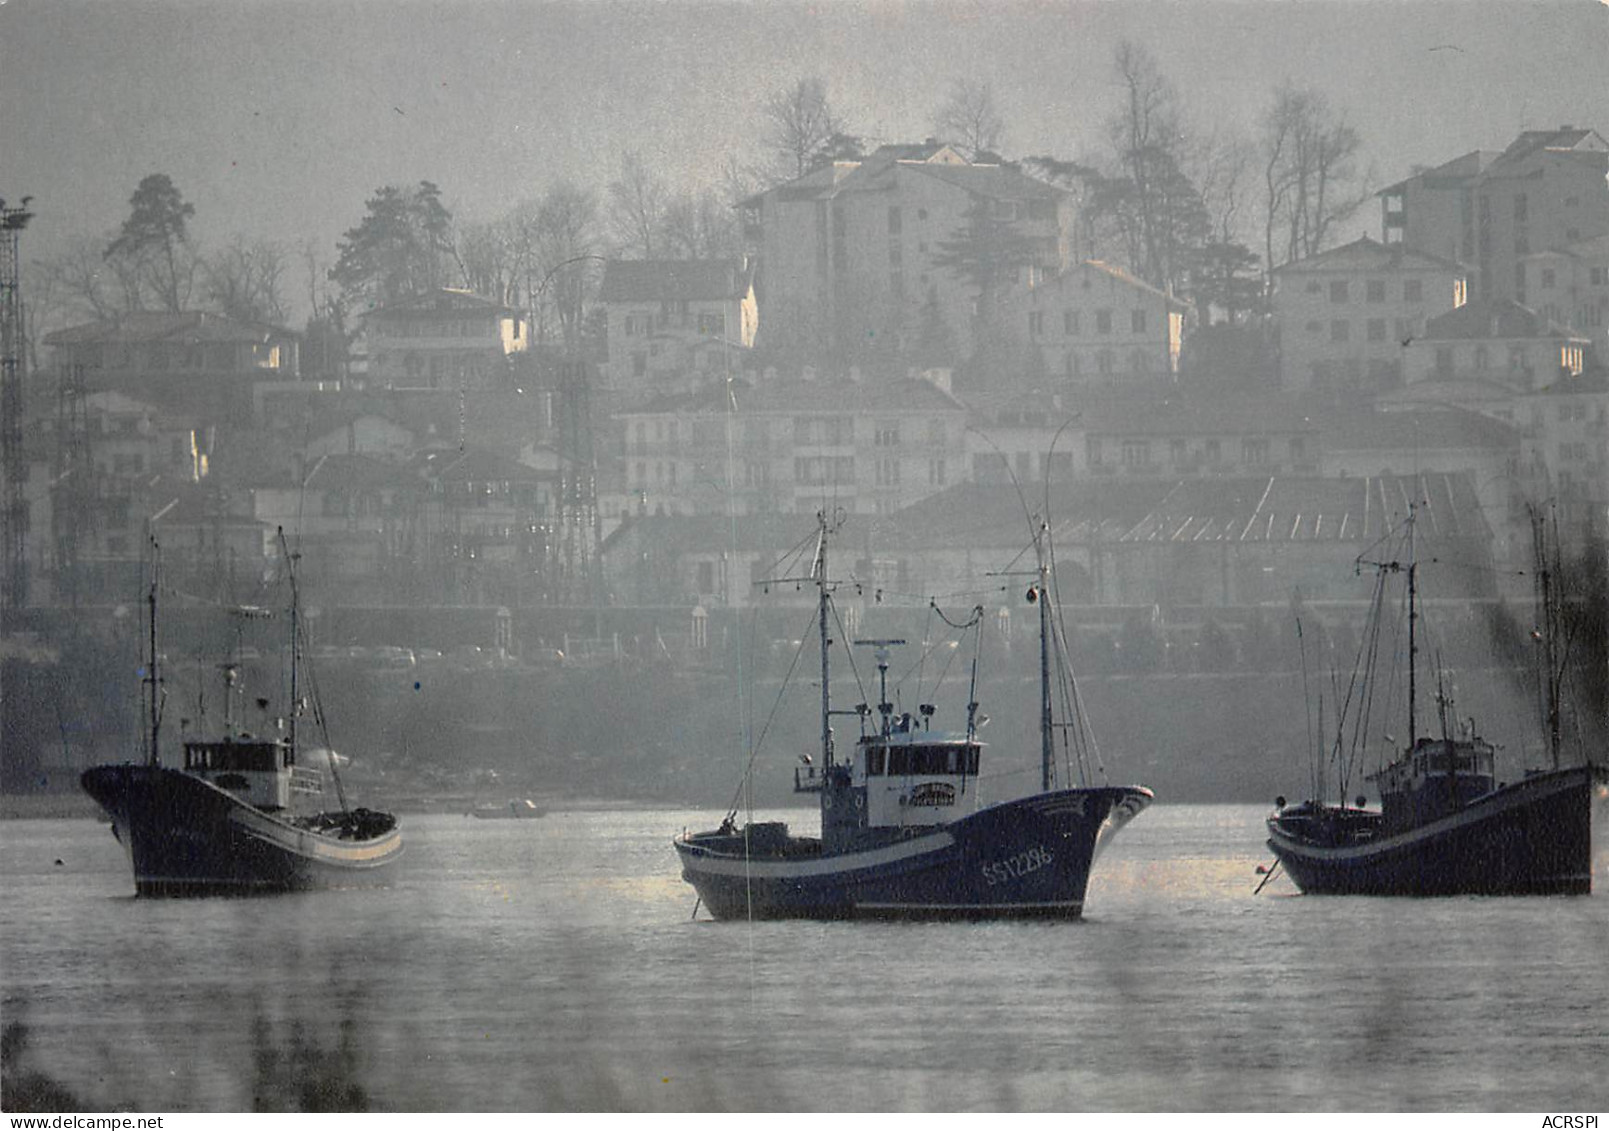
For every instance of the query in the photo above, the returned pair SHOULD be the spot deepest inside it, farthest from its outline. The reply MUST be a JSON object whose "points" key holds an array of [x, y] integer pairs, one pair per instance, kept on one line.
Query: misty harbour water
{"points": [[554, 965]]}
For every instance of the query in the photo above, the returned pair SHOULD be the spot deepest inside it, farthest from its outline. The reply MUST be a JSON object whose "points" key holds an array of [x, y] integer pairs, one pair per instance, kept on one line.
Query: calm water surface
{"points": [[554, 964]]}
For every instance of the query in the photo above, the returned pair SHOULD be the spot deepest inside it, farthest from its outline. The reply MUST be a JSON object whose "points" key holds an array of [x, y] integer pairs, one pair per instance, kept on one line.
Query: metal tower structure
{"points": [[73, 502], [578, 532], [13, 372]]}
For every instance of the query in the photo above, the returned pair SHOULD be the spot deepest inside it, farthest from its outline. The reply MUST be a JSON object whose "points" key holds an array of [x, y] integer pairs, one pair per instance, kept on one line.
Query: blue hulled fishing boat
{"points": [[241, 816], [903, 832]]}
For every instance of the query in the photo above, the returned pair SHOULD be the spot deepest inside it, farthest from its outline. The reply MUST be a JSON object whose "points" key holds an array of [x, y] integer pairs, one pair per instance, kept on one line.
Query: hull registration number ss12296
{"points": [[1015, 867]]}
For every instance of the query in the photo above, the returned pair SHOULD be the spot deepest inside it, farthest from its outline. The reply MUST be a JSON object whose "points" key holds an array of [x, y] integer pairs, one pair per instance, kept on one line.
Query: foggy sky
{"points": [[277, 118]]}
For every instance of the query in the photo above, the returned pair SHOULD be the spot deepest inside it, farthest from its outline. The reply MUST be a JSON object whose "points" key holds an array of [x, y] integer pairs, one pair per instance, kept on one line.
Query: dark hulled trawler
{"points": [[241, 815], [1446, 825]]}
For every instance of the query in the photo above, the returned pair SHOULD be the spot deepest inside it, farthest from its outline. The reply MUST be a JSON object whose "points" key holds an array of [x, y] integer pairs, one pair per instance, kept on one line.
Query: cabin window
{"points": [[874, 761]]}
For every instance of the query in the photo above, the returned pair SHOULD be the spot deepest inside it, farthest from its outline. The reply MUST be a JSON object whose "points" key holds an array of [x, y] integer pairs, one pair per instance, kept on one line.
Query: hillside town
{"points": [[567, 453]]}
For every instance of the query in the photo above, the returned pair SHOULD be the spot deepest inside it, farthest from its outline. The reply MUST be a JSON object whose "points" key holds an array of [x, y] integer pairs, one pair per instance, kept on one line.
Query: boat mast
{"points": [[152, 673], [821, 616], [1413, 638], [1047, 747]]}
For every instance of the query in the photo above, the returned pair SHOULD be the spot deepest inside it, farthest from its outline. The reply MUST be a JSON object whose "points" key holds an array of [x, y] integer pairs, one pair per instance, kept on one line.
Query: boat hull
{"points": [[185, 836], [1533, 837], [1022, 859]]}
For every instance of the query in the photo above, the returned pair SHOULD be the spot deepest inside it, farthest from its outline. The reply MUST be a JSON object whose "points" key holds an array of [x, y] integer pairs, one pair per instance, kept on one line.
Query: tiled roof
{"points": [[1428, 430], [1367, 254], [186, 327], [826, 395], [1491, 320], [670, 280], [477, 465], [1278, 509], [1456, 171], [446, 301], [358, 472]]}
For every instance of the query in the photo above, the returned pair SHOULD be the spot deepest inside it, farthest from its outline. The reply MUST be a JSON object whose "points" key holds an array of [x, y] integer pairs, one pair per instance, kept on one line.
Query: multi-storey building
{"points": [[1343, 316], [1565, 438], [672, 323], [1570, 286], [442, 339], [1491, 211], [882, 256], [200, 363], [868, 446], [1095, 324]]}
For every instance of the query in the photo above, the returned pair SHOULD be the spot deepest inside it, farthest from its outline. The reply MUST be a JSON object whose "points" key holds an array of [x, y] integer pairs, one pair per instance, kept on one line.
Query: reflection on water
{"points": [[555, 965]]}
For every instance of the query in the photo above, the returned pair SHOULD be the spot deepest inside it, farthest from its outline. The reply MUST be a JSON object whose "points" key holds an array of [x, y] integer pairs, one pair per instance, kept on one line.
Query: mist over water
{"points": [[555, 965]]}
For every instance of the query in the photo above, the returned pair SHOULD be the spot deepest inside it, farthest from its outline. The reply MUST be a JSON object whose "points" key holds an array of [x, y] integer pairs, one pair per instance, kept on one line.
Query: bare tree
{"points": [[802, 123], [701, 226], [1310, 177], [246, 281], [969, 116], [636, 207], [1154, 201]]}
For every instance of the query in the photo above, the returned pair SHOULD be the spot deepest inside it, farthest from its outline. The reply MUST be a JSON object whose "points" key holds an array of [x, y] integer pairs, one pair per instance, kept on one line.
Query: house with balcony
{"points": [[1094, 324], [1344, 316], [202, 364], [673, 324], [442, 339], [1497, 340], [1179, 436], [855, 259]]}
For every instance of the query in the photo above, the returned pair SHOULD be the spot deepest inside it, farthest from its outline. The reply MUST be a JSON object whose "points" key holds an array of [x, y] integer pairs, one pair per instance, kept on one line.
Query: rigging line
{"points": [[849, 653], [759, 742]]}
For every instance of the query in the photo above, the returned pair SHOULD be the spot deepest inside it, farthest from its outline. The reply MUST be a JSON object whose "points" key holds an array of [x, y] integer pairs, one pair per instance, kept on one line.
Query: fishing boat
{"points": [[1446, 824], [240, 816], [903, 833]]}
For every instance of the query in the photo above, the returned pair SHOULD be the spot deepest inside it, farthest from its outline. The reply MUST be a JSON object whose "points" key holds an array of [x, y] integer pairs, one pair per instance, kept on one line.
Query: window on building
{"points": [[1413, 290], [1036, 322], [1519, 208], [888, 472], [1375, 290], [1103, 321], [1547, 278], [1444, 360], [1314, 326], [1136, 453], [935, 473], [1105, 361], [1599, 276], [1092, 450], [706, 577], [1137, 321], [1178, 452], [1340, 330], [1254, 452], [1338, 290], [711, 324], [1069, 321], [1377, 329], [886, 434], [1483, 359], [1298, 449], [894, 222], [1213, 451]]}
